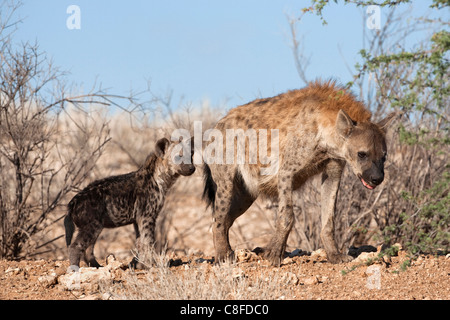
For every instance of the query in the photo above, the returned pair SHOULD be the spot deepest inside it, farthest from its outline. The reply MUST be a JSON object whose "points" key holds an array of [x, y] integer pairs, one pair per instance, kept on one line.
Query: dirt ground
{"points": [[302, 276], [305, 276]]}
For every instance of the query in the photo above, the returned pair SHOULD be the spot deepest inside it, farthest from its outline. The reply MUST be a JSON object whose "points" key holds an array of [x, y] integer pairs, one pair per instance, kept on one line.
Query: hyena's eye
{"points": [[362, 155]]}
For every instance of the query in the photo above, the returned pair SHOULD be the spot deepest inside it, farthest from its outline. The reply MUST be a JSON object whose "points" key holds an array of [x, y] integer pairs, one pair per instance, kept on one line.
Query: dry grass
{"points": [[202, 280]]}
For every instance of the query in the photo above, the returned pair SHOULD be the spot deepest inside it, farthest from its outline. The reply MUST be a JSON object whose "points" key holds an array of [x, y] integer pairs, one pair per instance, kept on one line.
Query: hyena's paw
{"points": [[94, 264], [225, 257], [135, 264], [338, 258], [273, 254]]}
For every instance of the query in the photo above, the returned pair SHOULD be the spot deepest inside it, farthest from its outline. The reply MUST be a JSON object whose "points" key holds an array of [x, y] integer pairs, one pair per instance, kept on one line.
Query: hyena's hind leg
{"points": [[232, 200], [83, 246], [89, 257]]}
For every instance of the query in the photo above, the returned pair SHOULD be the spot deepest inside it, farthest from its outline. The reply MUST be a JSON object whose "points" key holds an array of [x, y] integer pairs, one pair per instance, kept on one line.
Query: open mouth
{"points": [[366, 184]]}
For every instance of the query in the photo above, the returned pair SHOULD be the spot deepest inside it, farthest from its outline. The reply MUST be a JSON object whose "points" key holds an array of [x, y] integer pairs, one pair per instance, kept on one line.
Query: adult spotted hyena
{"points": [[321, 128], [134, 198]]}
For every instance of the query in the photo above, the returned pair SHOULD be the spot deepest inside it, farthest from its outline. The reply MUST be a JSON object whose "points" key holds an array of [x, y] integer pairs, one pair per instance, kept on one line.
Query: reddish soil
{"points": [[306, 277]]}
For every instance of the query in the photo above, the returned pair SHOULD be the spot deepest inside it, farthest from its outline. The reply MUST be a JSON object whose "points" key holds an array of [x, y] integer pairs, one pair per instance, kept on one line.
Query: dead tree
{"points": [[42, 158]]}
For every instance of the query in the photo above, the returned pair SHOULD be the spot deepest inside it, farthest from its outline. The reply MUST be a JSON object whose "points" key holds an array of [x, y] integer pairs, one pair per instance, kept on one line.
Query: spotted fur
{"points": [[322, 128], [133, 198]]}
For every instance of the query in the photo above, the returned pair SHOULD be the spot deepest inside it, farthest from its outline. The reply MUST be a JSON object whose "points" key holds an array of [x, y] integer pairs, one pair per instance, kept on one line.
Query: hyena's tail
{"points": [[209, 193], [69, 226]]}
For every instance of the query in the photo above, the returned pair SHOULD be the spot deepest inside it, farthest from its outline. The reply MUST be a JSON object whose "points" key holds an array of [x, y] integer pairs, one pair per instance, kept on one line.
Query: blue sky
{"points": [[224, 51]]}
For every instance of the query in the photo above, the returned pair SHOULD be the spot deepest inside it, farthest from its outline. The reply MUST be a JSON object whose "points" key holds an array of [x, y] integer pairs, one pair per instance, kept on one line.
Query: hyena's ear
{"points": [[344, 124], [389, 120], [161, 147]]}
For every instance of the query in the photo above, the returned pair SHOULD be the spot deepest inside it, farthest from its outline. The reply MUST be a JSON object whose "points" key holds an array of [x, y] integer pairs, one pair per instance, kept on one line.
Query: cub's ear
{"points": [[389, 120], [344, 124], [161, 147]]}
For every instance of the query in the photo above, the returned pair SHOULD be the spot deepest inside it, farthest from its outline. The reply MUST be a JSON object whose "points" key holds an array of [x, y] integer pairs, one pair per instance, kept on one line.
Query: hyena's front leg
{"points": [[145, 241], [275, 250], [330, 184]]}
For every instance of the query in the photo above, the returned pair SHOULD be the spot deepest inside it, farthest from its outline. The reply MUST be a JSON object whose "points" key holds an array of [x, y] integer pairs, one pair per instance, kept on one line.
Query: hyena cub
{"points": [[134, 198]]}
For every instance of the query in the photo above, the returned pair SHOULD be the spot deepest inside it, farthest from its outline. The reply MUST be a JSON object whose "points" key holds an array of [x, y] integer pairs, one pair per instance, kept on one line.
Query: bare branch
{"points": [[301, 62]]}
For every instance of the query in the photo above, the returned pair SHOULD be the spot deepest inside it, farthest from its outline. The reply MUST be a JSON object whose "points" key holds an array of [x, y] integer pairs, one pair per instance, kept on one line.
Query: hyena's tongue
{"points": [[367, 185]]}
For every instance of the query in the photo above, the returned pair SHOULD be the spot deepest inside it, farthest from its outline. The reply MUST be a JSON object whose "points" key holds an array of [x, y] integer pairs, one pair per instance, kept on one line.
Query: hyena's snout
{"points": [[186, 169], [372, 177]]}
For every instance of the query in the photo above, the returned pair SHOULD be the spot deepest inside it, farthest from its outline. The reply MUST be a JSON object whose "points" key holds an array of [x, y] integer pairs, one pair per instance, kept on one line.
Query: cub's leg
{"points": [[84, 245], [145, 241]]}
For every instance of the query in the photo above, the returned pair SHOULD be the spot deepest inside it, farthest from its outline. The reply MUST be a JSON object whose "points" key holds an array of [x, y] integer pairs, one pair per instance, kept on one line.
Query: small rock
{"points": [[85, 279], [13, 271], [363, 257], [78, 294], [106, 296], [90, 297], [48, 280], [290, 278], [244, 255], [356, 293], [311, 281], [297, 253], [319, 255], [287, 260]]}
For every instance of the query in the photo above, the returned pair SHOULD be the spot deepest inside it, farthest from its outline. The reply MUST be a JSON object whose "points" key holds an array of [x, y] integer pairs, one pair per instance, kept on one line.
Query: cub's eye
{"points": [[362, 155], [384, 158]]}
